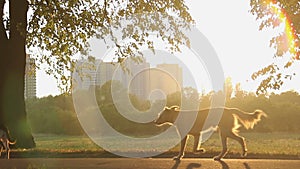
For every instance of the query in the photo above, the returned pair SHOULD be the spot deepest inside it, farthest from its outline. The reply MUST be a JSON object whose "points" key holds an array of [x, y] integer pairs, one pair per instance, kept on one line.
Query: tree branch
{"points": [[3, 41], [3, 36]]}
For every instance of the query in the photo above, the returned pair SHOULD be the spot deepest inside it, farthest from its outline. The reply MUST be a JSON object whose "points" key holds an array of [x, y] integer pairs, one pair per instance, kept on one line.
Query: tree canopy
{"points": [[275, 14], [57, 30], [61, 29]]}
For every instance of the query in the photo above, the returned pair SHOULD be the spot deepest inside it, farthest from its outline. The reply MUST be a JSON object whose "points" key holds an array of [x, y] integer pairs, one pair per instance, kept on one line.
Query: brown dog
{"points": [[5, 140], [228, 125]]}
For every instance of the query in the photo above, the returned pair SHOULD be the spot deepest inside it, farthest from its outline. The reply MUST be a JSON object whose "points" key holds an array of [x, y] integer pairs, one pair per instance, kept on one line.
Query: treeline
{"points": [[57, 115], [53, 115], [283, 109]]}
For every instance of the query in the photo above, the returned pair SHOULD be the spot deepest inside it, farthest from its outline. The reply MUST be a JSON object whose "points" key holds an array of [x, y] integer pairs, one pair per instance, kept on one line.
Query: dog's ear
{"points": [[260, 113], [176, 108]]}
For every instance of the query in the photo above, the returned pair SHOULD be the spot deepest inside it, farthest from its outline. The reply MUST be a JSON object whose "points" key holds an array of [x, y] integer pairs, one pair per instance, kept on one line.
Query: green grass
{"points": [[63, 144], [273, 145], [260, 144]]}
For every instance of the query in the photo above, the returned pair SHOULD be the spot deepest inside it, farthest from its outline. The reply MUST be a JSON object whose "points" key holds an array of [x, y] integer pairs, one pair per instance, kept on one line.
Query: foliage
{"points": [[57, 115], [274, 14], [53, 115], [187, 99], [54, 31], [282, 110], [107, 105], [61, 29]]}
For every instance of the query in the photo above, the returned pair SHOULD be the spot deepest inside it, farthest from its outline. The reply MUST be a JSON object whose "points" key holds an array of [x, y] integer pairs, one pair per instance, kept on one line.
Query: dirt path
{"points": [[145, 163]]}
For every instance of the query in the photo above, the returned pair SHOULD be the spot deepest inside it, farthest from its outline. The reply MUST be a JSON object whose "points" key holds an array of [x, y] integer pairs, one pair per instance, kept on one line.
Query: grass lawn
{"points": [[260, 145], [279, 145]]}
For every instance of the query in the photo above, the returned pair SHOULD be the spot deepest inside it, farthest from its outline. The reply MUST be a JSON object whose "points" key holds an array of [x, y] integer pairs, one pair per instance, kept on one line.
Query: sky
{"points": [[233, 32]]}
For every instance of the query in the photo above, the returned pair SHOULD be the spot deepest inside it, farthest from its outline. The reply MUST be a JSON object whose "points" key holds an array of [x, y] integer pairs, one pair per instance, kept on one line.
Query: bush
{"points": [[53, 115], [56, 115]]}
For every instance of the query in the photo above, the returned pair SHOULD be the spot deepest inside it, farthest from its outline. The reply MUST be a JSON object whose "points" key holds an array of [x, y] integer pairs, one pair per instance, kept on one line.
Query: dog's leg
{"points": [[196, 144], [1, 149], [6, 143], [241, 140], [8, 150], [224, 145], [6, 146], [182, 147]]}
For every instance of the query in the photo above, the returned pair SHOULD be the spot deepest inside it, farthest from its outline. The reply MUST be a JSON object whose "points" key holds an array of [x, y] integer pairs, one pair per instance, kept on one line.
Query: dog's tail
{"points": [[249, 119], [10, 140]]}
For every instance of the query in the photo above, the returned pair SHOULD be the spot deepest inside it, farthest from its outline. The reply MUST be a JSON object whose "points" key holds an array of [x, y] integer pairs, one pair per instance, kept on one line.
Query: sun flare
{"points": [[289, 32]]}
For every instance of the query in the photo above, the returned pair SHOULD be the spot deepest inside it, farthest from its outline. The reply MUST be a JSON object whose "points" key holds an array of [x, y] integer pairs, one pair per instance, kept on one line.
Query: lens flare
{"points": [[289, 31]]}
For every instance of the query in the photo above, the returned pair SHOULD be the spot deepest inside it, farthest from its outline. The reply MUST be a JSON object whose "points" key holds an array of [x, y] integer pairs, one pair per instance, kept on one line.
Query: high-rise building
{"points": [[107, 71], [30, 78], [94, 73], [86, 74], [170, 80], [137, 77]]}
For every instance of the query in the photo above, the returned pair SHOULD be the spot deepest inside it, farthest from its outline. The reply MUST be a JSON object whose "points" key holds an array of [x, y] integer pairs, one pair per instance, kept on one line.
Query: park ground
{"points": [[146, 163], [266, 150], [260, 145]]}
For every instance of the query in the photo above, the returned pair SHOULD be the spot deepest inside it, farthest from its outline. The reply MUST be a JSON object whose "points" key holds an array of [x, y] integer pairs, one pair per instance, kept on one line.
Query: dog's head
{"points": [[260, 113], [168, 115]]}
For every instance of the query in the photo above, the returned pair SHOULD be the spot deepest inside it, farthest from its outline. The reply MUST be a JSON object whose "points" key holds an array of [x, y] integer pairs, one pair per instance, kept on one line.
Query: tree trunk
{"points": [[13, 61]]}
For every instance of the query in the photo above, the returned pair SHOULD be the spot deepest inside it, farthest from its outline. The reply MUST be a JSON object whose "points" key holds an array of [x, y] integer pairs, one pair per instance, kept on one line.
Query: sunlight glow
{"points": [[289, 30]]}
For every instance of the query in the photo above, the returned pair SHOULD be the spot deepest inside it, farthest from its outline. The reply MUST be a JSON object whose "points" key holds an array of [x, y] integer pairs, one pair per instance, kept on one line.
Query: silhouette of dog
{"points": [[228, 125], [5, 140]]}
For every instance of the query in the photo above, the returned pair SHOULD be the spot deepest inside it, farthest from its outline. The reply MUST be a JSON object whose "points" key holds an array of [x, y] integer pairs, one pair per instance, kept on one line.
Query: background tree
{"points": [[60, 29], [275, 13], [190, 98], [228, 88], [239, 92], [12, 70]]}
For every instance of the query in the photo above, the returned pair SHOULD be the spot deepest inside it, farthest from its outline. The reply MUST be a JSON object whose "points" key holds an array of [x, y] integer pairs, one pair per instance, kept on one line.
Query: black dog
{"points": [[5, 140]]}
